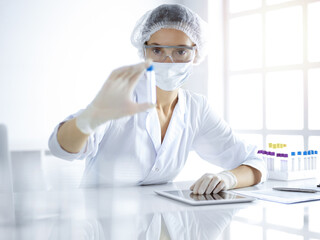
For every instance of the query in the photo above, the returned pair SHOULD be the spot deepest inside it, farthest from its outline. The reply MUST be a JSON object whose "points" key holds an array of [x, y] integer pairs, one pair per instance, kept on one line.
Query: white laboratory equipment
{"points": [[285, 164], [151, 85]]}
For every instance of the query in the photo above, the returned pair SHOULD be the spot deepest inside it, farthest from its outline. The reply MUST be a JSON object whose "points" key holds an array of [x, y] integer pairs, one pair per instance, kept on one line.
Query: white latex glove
{"points": [[114, 99], [214, 183]]}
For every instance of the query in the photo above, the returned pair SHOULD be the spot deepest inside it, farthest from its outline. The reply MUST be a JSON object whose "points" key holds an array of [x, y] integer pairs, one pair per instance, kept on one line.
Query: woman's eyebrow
{"points": [[180, 45]]}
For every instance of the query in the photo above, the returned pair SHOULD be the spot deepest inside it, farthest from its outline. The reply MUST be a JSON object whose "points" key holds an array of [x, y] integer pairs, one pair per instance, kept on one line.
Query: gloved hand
{"points": [[114, 99], [214, 183]]}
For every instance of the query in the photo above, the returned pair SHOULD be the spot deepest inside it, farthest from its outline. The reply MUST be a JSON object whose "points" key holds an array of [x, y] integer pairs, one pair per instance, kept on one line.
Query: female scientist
{"points": [[126, 140]]}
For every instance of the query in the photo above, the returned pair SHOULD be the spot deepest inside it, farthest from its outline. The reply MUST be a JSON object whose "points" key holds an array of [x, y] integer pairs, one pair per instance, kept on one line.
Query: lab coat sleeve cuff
{"points": [[59, 152], [259, 165]]}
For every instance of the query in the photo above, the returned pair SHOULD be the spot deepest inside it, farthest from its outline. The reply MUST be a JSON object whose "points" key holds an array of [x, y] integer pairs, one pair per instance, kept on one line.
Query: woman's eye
{"points": [[182, 52], [156, 51]]}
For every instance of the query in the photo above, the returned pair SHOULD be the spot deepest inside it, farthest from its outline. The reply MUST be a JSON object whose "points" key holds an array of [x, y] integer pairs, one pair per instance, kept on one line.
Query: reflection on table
{"points": [[138, 213]]}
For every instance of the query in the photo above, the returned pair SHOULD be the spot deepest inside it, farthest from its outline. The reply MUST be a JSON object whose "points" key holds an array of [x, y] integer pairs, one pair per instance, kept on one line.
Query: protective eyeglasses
{"points": [[177, 54]]}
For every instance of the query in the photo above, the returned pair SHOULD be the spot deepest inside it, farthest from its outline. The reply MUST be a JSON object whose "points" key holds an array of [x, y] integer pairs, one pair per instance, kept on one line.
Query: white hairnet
{"points": [[173, 16]]}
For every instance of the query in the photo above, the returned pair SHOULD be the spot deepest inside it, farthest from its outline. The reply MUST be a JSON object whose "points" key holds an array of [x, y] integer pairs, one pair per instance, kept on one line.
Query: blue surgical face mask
{"points": [[170, 76]]}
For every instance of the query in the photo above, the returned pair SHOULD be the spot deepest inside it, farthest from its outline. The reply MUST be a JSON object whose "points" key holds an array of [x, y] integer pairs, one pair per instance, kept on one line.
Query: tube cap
{"points": [[150, 68]]}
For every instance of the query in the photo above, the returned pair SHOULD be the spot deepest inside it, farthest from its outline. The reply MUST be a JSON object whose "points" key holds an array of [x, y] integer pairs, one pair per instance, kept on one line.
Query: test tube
{"points": [[278, 162], [151, 85], [293, 161], [281, 161], [270, 161], [284, 162], [273, 159], [305, 160], [312, 160], [260, 152], [299, 160], [267, 157], [264, 157]]}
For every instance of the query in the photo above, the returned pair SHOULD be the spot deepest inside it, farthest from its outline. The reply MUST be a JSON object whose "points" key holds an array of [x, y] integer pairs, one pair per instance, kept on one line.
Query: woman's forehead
{"points": [[170, 37]]}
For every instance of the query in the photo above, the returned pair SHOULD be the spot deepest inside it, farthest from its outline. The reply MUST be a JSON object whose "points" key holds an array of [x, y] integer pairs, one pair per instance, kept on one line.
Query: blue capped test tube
{"points": [[294, 162], [305, 160], [151, 85], [299, 159]]}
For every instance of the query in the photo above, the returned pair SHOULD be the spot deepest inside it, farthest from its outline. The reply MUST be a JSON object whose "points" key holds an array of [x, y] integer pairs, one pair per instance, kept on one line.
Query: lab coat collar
{"points": [[176, 125], [181, 105], [172, 138], [177, 121]]}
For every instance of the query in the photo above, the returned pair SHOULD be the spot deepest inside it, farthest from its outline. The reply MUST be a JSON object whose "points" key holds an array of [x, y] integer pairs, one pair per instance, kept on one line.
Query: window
{"points": [[272, 71]]}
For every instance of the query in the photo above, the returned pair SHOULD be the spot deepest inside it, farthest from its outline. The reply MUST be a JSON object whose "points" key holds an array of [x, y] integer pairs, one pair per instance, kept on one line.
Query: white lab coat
{"points": [[129, 150]]}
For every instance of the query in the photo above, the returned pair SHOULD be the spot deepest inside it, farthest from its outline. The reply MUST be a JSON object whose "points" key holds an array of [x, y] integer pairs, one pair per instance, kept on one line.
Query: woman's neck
{"points": [[166, 100]]}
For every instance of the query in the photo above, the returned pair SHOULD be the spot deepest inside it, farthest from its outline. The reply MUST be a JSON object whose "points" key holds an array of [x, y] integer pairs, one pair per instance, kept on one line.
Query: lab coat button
{"points": [[156, 169]]}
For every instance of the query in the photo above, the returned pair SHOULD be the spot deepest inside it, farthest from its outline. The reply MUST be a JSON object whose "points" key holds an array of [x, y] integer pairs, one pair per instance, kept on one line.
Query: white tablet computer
{"points": [[188, 197]]}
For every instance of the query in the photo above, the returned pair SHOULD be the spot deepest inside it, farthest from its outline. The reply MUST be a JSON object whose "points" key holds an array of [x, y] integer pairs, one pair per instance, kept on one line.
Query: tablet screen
{"points": [[187, 194]]}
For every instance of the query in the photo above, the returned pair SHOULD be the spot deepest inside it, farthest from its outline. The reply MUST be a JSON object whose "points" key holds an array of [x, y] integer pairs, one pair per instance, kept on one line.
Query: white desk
{"points": [[138, 213]]}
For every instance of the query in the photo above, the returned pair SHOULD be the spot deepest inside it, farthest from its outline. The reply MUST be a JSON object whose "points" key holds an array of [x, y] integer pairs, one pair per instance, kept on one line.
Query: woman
{"points": [[126, 140]]}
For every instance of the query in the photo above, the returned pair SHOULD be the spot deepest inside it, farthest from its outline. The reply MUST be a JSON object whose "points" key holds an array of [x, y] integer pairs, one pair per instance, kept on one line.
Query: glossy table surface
{"points": [[138, 213]]}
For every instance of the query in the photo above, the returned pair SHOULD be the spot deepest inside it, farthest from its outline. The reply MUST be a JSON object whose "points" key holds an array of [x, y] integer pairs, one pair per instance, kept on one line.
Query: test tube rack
{"points": [[293, 166]]}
